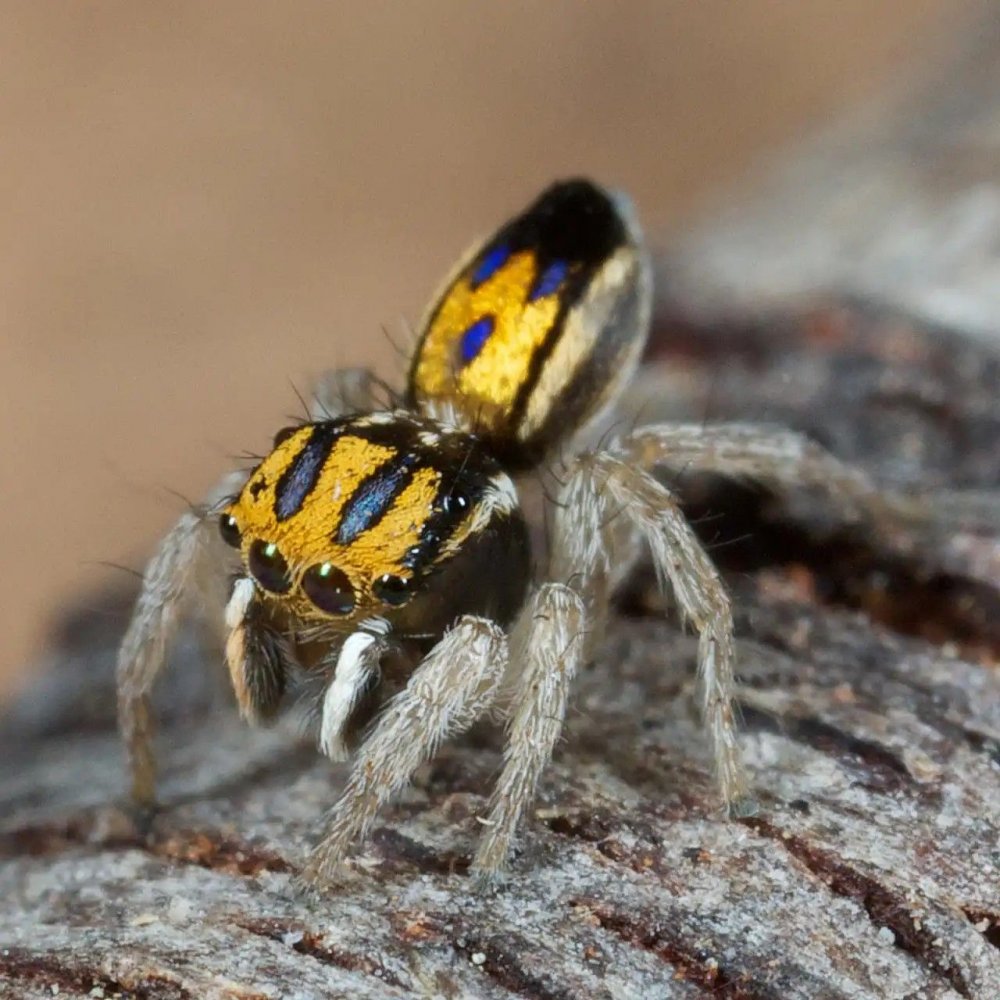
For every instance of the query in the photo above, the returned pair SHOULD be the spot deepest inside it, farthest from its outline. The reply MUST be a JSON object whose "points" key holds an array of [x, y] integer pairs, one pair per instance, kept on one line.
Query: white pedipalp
{"points": [[239, 602], [357, 664]]}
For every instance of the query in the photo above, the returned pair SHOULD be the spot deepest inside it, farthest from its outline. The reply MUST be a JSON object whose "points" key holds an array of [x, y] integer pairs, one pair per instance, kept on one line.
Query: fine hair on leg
{"points": [[342, 391], [178, 570], [547, 645], [604, 487], [773, 457], [454, 685]]}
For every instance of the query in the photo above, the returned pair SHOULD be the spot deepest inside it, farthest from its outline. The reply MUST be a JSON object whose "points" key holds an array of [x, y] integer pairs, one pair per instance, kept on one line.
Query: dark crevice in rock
{"points": [[691, 963], [987, 923], [876, 767], [506, 959], [399, 850], [747, 534], [305, 942], [112, 829], [62, 975], [643, 856], [217, 853], [884, 907], [871, 381]]}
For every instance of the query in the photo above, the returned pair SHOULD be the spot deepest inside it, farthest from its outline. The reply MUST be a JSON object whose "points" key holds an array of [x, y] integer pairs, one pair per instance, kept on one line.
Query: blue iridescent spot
{"points": [[490, 264], [475, 337], [550, 280]]}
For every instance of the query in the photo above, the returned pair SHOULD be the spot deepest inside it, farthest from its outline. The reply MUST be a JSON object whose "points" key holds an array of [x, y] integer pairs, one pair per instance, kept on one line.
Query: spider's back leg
{"points": [[547, 647], [604, 488]]}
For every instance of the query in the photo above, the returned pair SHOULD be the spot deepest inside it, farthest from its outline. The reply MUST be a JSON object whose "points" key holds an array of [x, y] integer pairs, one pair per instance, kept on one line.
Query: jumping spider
{"points": [[384, 552]]}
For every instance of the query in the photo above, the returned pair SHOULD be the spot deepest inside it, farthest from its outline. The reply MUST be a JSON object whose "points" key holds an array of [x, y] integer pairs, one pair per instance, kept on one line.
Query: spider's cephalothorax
{"points": [[371, 521], [384, 552]]}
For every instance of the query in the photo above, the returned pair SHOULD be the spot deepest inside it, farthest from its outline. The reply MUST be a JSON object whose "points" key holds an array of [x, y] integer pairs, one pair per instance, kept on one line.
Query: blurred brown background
{"points": [[205, 203]]}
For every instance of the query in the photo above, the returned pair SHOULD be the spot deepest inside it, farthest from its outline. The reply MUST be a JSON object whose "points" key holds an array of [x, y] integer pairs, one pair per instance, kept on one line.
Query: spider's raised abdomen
{"points": [[538, 327]]}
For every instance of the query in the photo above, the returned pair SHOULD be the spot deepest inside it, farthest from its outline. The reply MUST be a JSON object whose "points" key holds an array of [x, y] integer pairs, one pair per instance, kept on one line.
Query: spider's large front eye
{"points": [[268, 567], [328, 587], [393, 590], [230, 530]]}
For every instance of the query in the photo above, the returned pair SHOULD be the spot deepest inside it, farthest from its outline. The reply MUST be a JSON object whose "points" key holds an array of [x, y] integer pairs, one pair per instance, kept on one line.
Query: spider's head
{"points": [[379, 516]]}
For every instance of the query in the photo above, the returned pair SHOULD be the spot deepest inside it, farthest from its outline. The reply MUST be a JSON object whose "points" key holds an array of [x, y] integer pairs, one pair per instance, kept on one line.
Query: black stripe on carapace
{"points": [[465, 465], [301, 477], [374, 497], [460, 490]]}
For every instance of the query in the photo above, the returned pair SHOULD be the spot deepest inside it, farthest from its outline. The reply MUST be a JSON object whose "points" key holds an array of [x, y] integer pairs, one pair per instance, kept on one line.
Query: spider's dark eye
{"points": [[329, 589], [230, 530], [268, 567], [455, 502], [393, 590], [283, 435]]}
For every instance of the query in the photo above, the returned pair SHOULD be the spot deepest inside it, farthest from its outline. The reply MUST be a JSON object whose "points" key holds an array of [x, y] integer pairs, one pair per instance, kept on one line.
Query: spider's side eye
{"points": [[455, 501], [392, 589], [329, 589], [230, 530], [268, 567]]}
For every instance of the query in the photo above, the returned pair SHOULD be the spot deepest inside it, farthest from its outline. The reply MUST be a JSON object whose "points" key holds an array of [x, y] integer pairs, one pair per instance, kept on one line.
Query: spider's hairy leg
{"points": [[454, 685], [547, 646], [605, 487], [259, 657], [774, 457], [342, 391], [181, 567]]}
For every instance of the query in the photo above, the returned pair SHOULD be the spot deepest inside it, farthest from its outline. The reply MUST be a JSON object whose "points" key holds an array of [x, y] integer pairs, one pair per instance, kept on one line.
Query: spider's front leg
{"points": [[181, 568], [454, 685], [185, 565], [589, 541]]}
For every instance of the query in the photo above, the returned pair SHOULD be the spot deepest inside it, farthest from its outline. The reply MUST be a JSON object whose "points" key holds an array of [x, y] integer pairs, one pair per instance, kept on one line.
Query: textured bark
{"points": [[856, 299]]}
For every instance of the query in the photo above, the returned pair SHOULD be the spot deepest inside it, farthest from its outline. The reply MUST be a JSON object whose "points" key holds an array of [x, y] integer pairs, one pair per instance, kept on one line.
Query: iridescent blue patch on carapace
{"points": [[553, 276], [490, 264], [475, 337]]}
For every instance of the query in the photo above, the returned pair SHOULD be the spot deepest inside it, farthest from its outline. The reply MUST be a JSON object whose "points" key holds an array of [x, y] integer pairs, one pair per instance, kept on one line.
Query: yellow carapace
{"points": [[379, 554]]}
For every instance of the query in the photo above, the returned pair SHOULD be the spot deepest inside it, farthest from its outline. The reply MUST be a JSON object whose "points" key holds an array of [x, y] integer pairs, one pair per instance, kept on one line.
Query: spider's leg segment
{"points": [[341, 391], [357, 665], [604, 488], [547, 646], [454, 685], [180, 568], [185, 565], [259, 657], [771, 456]]}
